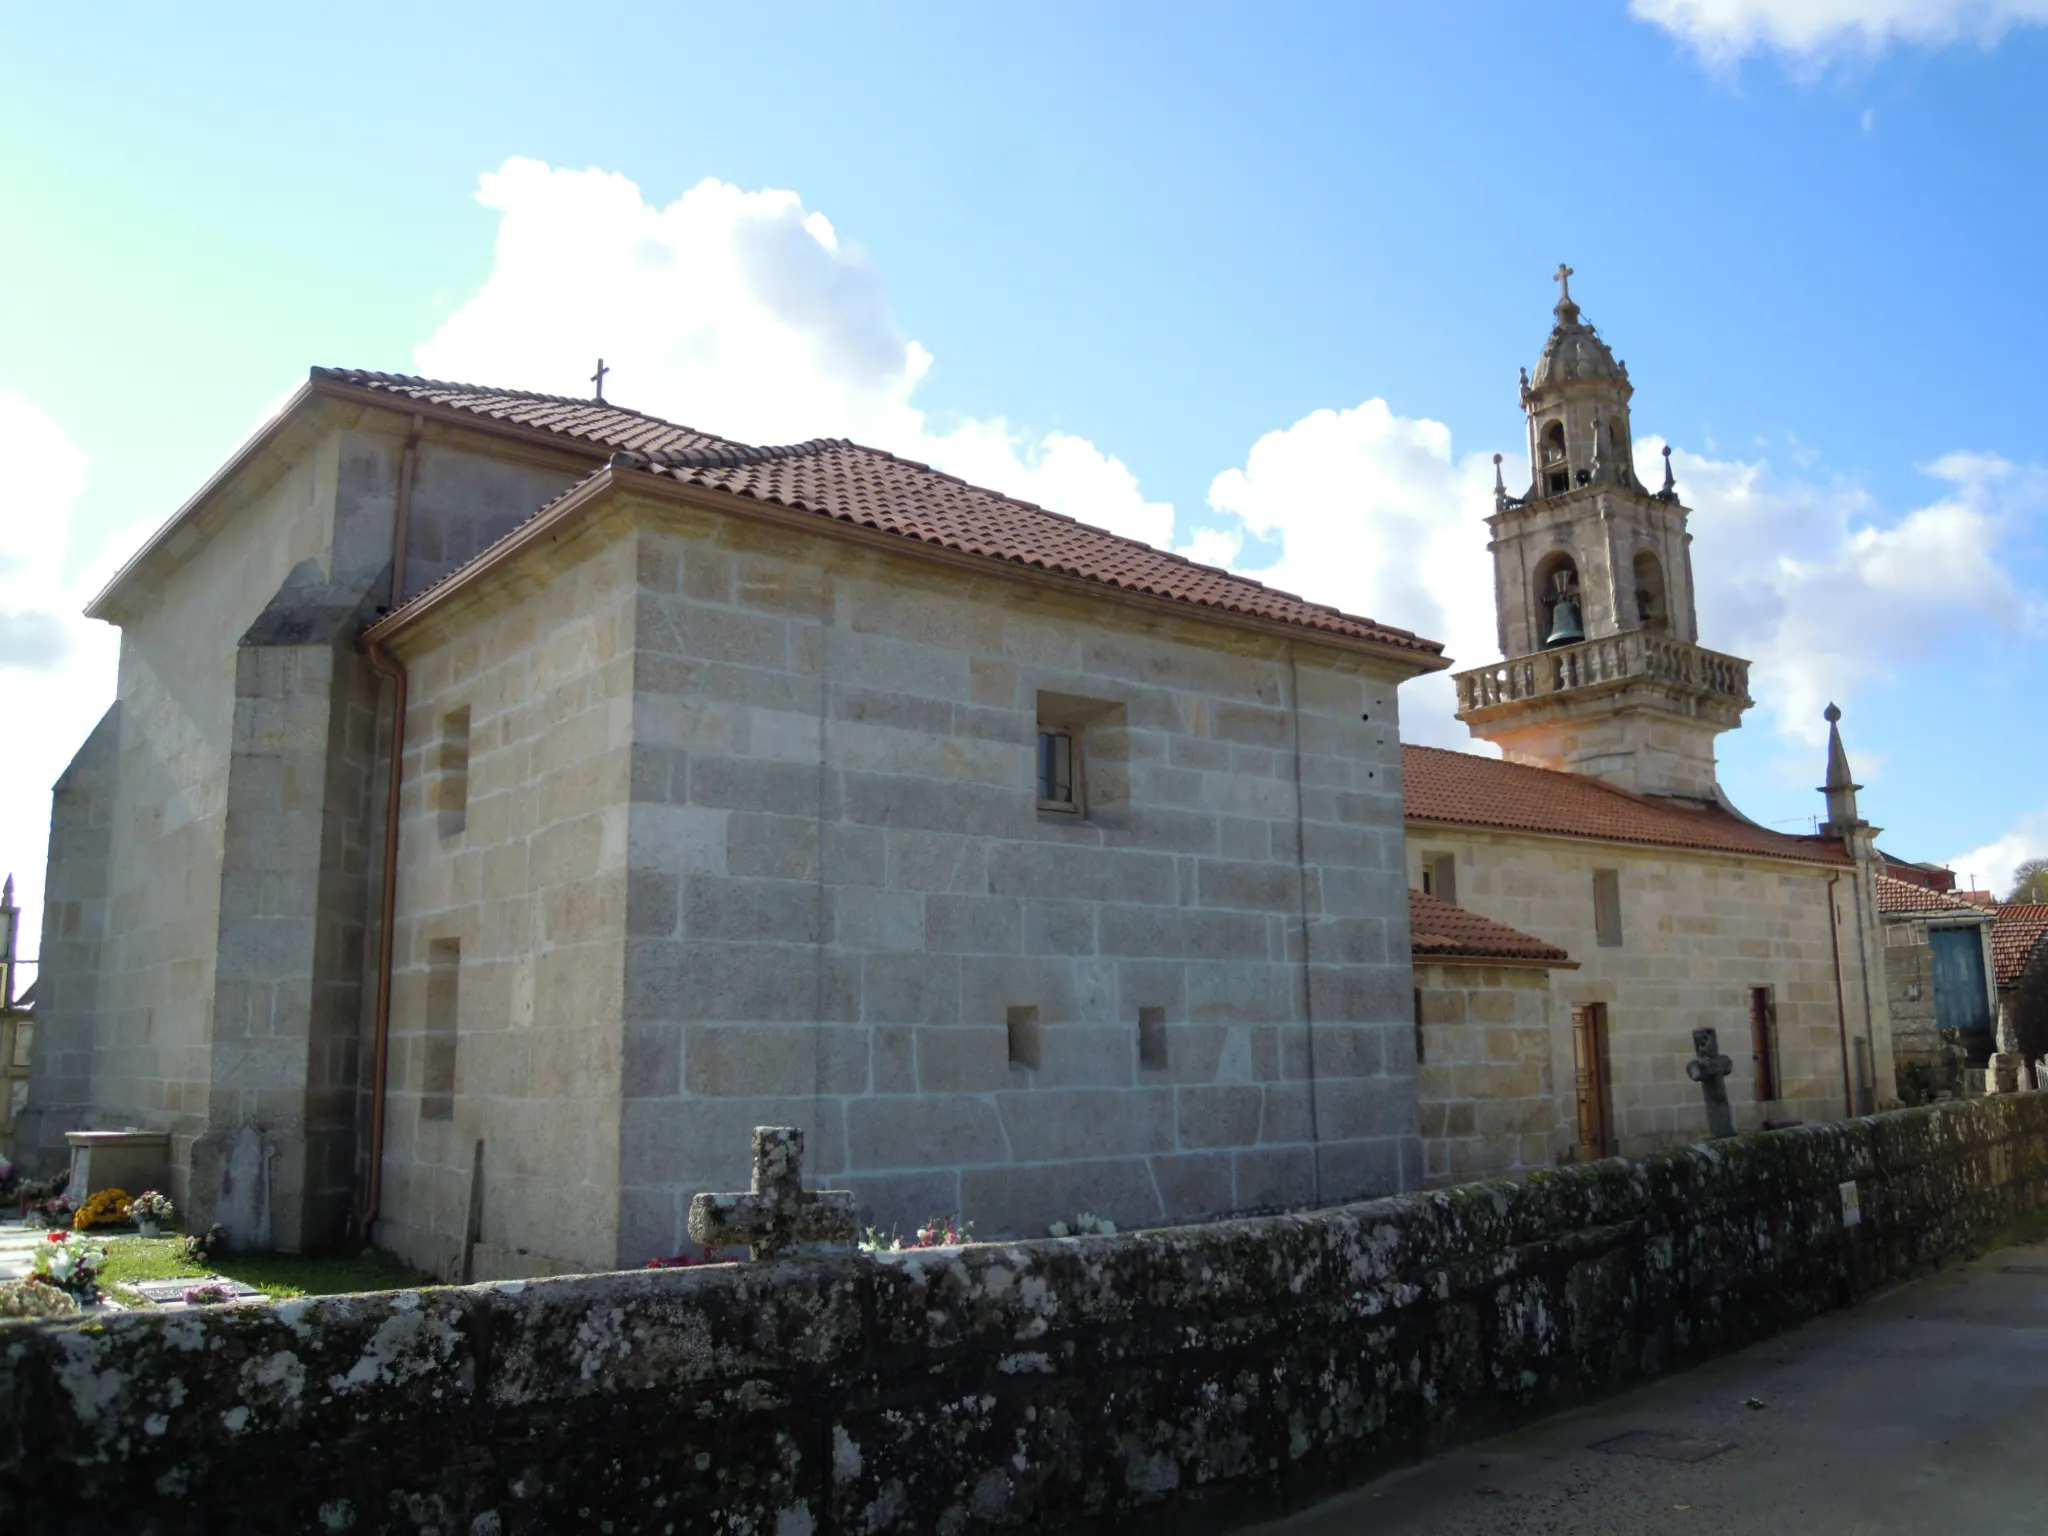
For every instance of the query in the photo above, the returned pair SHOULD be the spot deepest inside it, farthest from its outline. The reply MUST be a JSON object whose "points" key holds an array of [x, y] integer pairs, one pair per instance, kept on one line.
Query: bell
{"points": [[1564, 623]]}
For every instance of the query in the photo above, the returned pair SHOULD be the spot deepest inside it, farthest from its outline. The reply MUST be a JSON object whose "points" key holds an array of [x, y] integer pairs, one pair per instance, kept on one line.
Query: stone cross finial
{"points": [[597, 378], [1563, 275], [778, 1213], [1710, 1069]]}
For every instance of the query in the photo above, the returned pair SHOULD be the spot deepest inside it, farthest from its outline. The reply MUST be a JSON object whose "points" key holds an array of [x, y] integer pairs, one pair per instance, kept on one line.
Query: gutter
{"points": [[385, 664], [1841, 1003], [559, 518]]}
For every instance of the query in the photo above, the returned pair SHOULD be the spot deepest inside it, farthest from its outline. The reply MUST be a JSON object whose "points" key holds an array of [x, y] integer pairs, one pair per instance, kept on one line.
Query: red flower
{"points": [[56, 1237]]}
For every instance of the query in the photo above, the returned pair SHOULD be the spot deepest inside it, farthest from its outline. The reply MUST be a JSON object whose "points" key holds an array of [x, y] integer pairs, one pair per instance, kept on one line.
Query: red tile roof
{"points": [[1904, 896], [868, 488], [1440, 931], [1467, 790], [2016, 933]]}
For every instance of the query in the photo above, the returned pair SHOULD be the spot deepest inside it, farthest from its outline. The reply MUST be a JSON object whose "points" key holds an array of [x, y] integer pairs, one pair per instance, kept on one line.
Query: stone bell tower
{"points": [[1592, 574]]}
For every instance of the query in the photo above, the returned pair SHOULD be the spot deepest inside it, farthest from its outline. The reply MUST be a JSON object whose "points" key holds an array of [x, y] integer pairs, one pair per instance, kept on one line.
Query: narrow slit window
{"points": [[437, 1043], [1418, 1027], [1607, 908], [1441, 878], [1024, 1038], [1059, 770], [1152, 1039], [1763, 1042], [451, 772]]}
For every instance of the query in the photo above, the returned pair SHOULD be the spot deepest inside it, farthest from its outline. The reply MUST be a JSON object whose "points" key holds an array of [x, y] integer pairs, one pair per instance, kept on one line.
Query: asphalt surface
{"points": [[1923, 1410]]}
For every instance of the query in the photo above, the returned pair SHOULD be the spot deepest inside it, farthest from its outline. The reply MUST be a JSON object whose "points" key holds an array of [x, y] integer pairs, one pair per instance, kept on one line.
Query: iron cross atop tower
{"points": [[597, 378], [1604, 674]]}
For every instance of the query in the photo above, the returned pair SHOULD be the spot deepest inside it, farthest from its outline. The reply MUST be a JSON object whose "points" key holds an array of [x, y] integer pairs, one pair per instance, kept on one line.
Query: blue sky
{"points": [[1254, 280]]}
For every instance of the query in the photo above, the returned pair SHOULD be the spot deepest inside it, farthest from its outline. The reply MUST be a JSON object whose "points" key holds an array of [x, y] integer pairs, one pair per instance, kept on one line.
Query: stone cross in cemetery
{"points": [[1710, 1069], [778, 1213]]}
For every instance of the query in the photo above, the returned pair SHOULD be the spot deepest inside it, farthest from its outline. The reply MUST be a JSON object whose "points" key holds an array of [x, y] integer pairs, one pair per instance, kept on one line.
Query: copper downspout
{"points": [[382, 661], [1841, 1004]]}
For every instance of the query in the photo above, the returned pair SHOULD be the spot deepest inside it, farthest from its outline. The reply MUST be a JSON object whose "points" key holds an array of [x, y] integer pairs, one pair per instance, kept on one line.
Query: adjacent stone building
{"points": [[1027, 869], [1485, 1075], [1605, 833], [1939, 978]]}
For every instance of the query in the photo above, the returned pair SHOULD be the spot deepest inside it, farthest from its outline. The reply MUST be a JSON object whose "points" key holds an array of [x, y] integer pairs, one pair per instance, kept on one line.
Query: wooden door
{"points": [[1589, 1057]]}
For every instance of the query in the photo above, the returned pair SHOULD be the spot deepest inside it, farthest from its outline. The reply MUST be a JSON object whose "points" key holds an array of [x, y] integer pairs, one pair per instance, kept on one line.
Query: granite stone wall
{"points": [[1699, 930], [1155, 1380]]}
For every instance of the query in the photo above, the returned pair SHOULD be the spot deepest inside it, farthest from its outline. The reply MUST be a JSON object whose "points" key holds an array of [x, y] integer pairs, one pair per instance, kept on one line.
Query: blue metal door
{"points": [[1961, 1000]]}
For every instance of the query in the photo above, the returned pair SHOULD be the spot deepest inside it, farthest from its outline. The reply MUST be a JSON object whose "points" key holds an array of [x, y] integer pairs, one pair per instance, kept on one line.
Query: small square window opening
{"points": [[1024, 1038], [1152, 1038]]}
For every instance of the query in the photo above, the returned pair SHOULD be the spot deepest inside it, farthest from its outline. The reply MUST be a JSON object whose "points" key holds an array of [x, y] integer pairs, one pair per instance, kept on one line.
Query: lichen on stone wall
{"points": [[991, 1387]]}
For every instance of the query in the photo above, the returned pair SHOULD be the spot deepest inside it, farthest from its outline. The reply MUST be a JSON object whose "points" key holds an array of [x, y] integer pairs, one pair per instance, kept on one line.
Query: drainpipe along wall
{"points": [[1841, 1004], [388, 666]]}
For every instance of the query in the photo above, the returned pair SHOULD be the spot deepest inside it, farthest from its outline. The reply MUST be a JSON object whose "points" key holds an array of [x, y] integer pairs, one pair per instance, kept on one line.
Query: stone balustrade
{"points": [[1634, 653]]}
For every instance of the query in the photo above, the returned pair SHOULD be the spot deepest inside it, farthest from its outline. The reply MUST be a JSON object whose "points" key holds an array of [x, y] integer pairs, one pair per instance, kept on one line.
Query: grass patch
{"points": [[274, 1274]]}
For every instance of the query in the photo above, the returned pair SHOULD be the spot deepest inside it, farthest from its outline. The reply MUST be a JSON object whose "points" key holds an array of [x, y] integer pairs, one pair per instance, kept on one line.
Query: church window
{"points": [[451, 772], [1059, 770], [1556, 473], [437, 1042], [1025, 1040], [1152, 1038], [1607, 908], [1763, 1042], [1559, 619], [1440, 876], [1651, 605]]}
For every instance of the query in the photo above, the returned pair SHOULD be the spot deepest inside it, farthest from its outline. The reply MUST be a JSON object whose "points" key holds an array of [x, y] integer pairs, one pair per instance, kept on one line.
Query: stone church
{"points": [[509, 801]]}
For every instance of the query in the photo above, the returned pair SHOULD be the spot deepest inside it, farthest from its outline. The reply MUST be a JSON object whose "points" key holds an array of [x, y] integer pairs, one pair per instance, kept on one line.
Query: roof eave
{"points": [[1512, 962], [576, 502], [1509, 830], [106, 605]]}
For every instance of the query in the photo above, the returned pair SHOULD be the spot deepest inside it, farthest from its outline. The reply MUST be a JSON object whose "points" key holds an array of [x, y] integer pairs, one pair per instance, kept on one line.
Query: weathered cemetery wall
{"points": [[1165, 1376]]}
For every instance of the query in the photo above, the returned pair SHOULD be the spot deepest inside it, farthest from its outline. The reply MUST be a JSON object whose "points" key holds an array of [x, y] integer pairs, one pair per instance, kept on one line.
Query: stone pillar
{"points": [[67, 976], [276, 1165]]}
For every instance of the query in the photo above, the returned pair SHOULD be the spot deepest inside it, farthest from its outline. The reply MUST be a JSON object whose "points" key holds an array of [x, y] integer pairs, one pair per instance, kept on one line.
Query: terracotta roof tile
{"points": [[2016, 933], [1439, 930], [1904, 896], [871, 489], [1487, 792]]}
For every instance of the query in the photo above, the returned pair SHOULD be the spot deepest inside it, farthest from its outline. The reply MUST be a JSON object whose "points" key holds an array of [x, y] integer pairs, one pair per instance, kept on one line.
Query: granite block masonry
{"points": [[1151, 1380]]}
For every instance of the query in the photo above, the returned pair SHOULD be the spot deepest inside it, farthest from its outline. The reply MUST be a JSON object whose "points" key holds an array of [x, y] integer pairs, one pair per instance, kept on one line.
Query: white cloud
{"points": [[56, 666], [1374, 515], [1809, 31], [743, 314], [1827, 597], [1991, 866]]}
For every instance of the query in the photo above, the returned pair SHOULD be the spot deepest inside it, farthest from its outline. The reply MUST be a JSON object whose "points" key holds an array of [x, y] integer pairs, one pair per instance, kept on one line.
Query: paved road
{"points": [[1925, 1410]]}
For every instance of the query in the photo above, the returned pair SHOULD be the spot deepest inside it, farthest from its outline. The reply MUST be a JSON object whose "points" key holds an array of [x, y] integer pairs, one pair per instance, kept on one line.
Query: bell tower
{"points": [[1604, 674]]}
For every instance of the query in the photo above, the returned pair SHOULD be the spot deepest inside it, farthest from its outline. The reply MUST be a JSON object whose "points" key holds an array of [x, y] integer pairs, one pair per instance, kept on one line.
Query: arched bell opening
{"points": [[1552, 463], [1653, 607], [1559, 618]]}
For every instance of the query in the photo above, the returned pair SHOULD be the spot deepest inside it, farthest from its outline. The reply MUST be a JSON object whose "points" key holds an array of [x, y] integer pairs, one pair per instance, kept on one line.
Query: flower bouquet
{"points": [[70, 1263], [209, 1294], [104, 1208], [152, 1212]]}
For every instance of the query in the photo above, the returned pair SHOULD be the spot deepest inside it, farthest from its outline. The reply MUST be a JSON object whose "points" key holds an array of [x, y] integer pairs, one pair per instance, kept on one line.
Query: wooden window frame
{"points": [[1763, 1044], [1077, 805]]}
